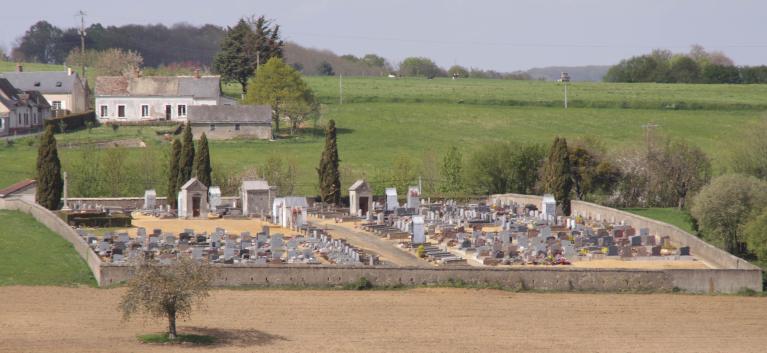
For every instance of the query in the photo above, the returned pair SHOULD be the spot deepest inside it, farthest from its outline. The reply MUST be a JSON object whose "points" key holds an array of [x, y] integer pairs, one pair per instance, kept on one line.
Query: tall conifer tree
{"points": [[202, 164], [173, 186], [330, 178], [186, 159], [50, 185], [557, 174]]}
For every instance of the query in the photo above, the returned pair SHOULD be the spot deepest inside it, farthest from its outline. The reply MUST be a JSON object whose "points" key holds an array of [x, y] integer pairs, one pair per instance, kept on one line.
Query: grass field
{"points": [[34, 255], [671, 216], [382, 119]]}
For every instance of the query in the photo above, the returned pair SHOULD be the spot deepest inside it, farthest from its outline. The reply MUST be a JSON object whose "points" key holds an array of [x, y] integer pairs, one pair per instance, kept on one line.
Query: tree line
{"points": [[696, 66]]}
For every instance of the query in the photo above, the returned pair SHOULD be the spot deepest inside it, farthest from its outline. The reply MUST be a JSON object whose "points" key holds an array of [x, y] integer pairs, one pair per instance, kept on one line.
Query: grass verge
{"points": [[162, 338]]}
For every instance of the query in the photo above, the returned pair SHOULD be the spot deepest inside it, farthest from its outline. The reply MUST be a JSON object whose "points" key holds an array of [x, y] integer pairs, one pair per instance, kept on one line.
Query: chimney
{"points": [[19, 67], [196, 73], [69, 71]]}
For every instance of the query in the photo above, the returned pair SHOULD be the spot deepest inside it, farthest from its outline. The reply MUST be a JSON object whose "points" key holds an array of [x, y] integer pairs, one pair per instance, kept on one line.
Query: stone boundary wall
{"points": [[58, 226], [710, 254], [561, 279], [134, 202], [550, 278]]}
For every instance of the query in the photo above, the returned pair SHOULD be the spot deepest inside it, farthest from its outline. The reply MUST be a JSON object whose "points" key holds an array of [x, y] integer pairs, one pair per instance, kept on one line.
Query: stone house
{"points": [[21, 112], [137, 98], [232, 121], [64, 90], [193, 200]]}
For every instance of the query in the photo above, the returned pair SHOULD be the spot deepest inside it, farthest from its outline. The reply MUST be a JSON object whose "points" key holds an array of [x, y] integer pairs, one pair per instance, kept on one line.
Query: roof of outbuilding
{"points": [[9, 95], [254, 114], [159, 86], [255, 185], [47, 82], [20, 186], [194, 184]]}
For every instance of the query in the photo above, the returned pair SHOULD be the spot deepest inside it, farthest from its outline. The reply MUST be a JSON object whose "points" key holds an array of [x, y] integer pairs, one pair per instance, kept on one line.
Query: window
{"points": [[104, 111], [144, 110], [236, 127], [181, 110], [56, 105], [120, 111], [26, 118], [2, 121], [212, 127]]}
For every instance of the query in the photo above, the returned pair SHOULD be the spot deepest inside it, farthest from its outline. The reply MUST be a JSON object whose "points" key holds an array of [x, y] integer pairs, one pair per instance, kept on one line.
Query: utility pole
{"points": [[258, 59], [340, 89], [565, 78], [82, 41]]}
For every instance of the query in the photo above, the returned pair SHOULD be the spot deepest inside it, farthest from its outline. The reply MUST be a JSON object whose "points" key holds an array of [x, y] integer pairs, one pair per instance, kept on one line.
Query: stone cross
{"points": [[66, 204]]}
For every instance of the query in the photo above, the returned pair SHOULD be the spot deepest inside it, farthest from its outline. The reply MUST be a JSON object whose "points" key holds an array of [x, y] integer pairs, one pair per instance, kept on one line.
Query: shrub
{"points": [[361, 284], [420, 251], [72, 122]]}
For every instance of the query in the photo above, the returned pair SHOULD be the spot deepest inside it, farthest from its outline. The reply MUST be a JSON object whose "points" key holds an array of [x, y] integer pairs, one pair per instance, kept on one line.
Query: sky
{"points": [[504, 35]]}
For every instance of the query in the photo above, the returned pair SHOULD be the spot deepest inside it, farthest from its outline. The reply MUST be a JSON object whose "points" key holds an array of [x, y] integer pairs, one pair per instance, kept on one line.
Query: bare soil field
{"points": [[34, 319]]}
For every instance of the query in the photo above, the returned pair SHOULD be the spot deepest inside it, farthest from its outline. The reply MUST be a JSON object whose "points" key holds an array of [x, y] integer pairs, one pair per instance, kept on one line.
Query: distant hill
{"points": [[577, 73]]}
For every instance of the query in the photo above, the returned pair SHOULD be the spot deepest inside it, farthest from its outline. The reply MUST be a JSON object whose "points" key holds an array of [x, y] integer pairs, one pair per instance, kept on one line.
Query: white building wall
{"points": [[156, 107]]}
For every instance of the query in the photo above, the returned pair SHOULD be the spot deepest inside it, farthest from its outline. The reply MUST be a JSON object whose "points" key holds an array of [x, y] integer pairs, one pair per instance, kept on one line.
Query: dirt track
{"points": [[422, 320]]}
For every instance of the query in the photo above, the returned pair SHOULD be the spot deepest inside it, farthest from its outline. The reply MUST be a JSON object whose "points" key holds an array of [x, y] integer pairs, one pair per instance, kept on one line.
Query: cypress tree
{"points": [[50, 185], [202, 162], [557, 174], [330, 178], [186, 159], [173, 186]]}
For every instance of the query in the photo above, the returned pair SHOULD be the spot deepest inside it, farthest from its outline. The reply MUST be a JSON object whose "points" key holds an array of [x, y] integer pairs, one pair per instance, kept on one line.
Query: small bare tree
{"points": [[167, 291]]}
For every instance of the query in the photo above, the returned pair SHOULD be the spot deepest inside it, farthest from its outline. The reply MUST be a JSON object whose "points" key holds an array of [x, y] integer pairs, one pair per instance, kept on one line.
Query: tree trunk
{"points": [[172, 326]]}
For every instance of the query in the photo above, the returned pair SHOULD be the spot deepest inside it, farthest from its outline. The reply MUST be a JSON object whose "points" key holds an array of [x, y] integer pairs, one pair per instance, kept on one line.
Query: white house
{"points": [[136, 98]]}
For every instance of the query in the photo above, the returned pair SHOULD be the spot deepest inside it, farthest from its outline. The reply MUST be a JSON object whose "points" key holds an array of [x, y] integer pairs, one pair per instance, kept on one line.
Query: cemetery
{"points": [[260, 237]]}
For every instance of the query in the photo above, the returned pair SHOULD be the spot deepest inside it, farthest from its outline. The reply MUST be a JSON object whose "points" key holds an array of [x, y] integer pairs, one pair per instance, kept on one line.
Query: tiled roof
{"points": [[47, 82], [257, 114], [20, 186], [159, 86]]}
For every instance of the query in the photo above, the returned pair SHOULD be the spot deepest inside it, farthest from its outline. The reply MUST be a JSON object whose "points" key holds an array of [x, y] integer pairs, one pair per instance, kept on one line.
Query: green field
{"points": [[34, 255], [671, 216], [384, 119]]}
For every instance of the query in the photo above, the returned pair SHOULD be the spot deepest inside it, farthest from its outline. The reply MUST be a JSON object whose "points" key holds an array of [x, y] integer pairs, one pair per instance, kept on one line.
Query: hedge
{"points": [[97, 220], [73, 121]]}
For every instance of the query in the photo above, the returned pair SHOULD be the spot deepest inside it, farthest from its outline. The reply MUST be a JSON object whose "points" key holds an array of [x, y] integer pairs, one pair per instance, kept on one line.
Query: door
{"points": [[168, 110], [195, 206], [364, 205]]}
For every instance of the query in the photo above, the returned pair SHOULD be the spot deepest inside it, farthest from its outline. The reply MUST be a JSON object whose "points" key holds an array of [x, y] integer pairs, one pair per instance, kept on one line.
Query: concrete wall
{"points": [[565, 279], [225, 131], [134, 202], [712, 255]]}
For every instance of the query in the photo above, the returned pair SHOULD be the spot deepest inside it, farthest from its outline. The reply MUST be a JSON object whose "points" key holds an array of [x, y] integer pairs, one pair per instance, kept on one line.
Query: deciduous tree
{"points": [[451, 171], [167, 291], [724, 206]]}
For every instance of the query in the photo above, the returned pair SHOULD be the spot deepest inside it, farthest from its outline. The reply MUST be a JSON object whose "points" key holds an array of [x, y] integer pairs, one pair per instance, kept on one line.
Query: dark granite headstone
{"points": [[684, 251], [655, 251], [636, 240], [612, 250]]}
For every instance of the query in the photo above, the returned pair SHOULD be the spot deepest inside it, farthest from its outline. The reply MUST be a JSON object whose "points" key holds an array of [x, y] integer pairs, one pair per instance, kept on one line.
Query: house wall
{"points": [[225, 131], [65, 99], [156, 107]]}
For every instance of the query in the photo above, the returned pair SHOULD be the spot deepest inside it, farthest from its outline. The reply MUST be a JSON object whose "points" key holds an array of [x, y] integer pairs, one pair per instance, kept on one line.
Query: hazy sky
{"points": [[504, 35]]}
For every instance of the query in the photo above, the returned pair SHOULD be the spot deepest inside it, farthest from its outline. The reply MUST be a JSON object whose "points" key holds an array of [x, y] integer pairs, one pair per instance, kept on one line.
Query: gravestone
{"points": [[655, 250], [612, 250], [636, 240], [684, 251]]}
